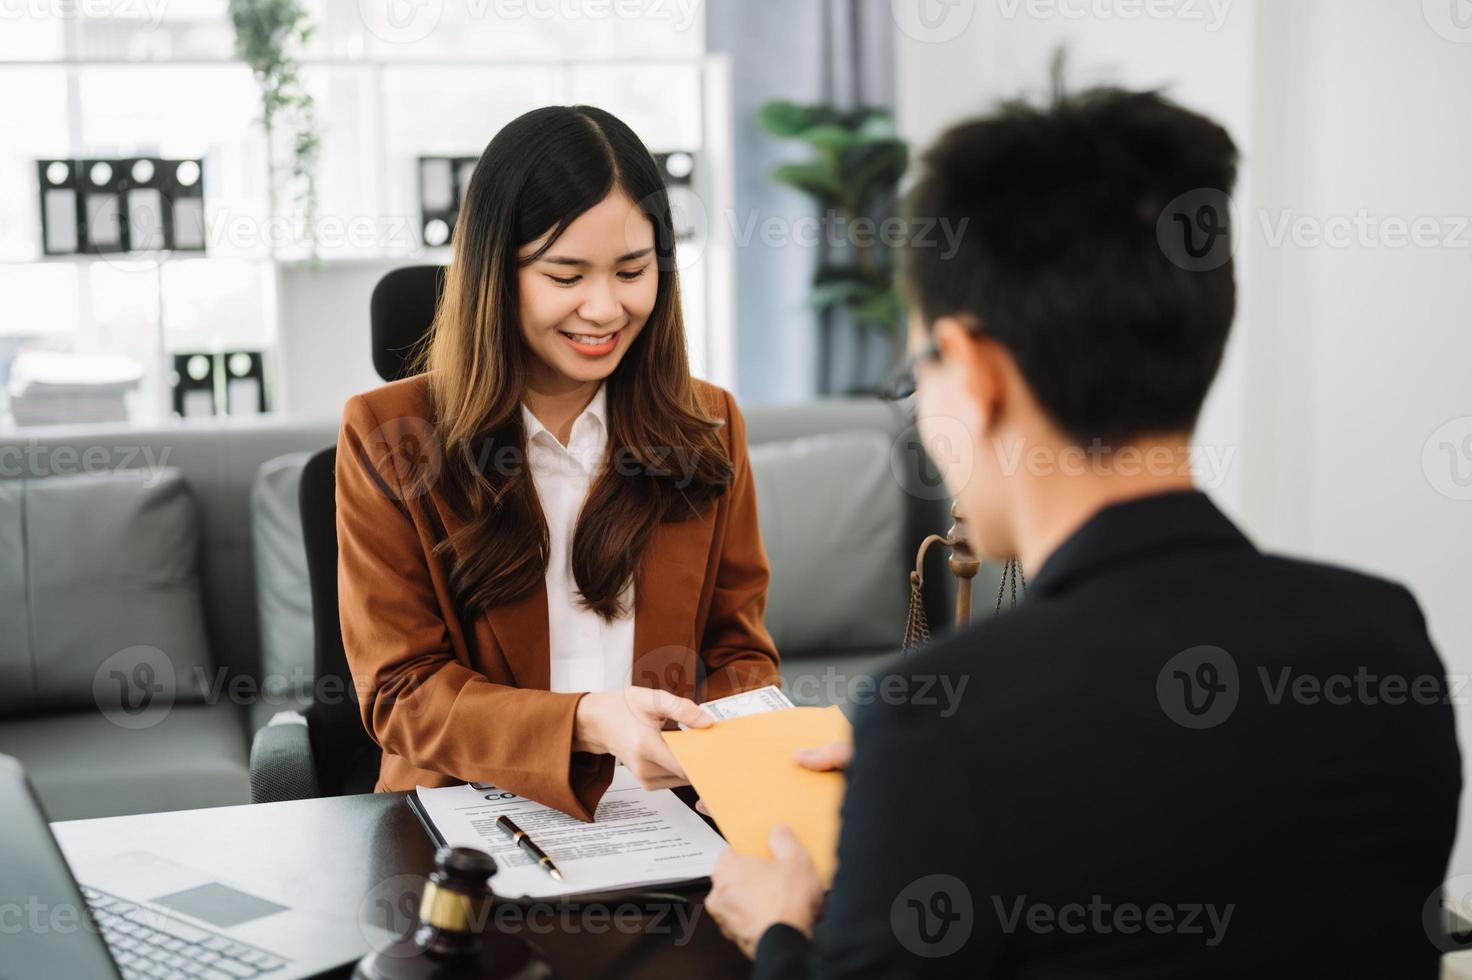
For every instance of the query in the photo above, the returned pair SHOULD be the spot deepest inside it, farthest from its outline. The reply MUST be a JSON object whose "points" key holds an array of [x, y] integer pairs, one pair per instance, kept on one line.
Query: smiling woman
{"points": [[528, 590], [597, 302]]}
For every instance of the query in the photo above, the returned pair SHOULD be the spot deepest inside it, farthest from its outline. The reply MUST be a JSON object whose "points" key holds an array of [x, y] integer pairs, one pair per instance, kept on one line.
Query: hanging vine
{"points": [[269, 37]]}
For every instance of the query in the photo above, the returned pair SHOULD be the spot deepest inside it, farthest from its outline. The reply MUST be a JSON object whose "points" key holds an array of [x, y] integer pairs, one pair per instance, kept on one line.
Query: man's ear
{"points": [[975, 360]]}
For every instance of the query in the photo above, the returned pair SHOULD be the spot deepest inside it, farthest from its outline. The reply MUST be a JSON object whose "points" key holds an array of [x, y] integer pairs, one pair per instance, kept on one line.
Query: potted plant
{"points": [[854, 175], [269, 35]]}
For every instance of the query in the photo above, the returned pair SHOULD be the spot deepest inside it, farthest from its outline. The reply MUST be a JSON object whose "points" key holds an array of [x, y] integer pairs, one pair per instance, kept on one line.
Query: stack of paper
{"points": [[639, 838], [57, 388]]}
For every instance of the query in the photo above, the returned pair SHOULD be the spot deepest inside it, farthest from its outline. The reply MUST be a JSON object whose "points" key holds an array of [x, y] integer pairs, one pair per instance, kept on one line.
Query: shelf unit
{"points": [[393, 107]]}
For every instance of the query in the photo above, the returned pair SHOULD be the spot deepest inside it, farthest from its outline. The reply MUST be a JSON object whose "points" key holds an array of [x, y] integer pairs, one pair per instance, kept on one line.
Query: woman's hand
{"points": [[626, 724]]}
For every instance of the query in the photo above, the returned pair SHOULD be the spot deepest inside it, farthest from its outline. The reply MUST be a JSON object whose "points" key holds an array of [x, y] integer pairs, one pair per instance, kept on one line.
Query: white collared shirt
{"points": [[588, 652]]}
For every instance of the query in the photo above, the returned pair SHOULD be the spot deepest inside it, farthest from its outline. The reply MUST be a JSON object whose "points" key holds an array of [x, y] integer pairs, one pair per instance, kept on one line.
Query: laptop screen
{"points": [[45, 928]]}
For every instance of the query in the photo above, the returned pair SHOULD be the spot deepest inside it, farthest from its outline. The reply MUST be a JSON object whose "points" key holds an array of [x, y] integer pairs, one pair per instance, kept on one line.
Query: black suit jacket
{"points": [[1179, 757]]}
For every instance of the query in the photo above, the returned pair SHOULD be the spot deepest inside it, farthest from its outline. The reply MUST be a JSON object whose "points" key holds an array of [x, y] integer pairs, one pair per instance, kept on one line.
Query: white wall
{"points": [[324, 353], [1379, 106], [1345, 360]]}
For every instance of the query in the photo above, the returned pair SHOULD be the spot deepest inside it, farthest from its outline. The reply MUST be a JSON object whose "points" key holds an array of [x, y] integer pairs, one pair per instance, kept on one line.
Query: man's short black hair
{"points": [[1115, 309]]}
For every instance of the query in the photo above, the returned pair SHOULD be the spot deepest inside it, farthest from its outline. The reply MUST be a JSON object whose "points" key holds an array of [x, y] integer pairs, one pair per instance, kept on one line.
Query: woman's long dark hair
{"points": [[536, 176]]}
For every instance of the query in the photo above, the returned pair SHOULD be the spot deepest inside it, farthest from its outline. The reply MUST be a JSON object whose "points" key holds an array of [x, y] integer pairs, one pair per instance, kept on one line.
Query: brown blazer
{"points": [[454, 700]]}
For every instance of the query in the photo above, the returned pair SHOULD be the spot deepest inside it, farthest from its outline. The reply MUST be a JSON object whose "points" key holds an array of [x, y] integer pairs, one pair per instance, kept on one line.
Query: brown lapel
{"points": [[521, 632], [666, 599], [520, 628]]}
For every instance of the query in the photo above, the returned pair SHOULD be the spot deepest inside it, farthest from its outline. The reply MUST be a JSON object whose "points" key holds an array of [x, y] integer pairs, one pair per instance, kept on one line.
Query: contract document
{"points": [[638, 839]]}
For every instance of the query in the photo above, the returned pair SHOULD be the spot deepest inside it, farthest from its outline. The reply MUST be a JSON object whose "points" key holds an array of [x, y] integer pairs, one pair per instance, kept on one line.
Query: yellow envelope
{"points": [[744, 771]]}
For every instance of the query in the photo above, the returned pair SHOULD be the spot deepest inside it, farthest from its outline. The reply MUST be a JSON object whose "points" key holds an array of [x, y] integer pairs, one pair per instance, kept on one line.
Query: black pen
{"points": [[529, 846]]}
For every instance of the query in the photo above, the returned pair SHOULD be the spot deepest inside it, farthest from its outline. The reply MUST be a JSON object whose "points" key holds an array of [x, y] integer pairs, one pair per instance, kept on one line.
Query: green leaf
{"points": [[838, 294], [883, 310], [874, 305], [786, 119], [877, 127], [874, 170], [828, 137], [814, 178]]}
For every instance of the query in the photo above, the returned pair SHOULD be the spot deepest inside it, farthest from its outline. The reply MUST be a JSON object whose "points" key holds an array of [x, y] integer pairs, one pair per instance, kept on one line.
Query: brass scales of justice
{"points": [[964, 564]]}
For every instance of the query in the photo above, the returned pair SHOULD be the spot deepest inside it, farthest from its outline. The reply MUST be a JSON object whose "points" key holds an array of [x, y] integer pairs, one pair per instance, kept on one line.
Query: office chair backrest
{"points": [[346, 758], [401, 311]]}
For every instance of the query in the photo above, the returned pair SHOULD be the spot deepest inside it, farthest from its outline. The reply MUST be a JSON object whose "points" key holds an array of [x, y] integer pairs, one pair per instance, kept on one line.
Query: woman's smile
{"points": [[592, 345]]}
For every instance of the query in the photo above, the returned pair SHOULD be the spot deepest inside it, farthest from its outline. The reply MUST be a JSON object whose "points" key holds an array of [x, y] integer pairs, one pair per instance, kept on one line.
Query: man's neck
{"points": [[1054, 506]]}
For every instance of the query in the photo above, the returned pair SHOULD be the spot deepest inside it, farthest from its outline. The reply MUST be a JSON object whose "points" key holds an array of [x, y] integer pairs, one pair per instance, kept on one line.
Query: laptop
{"points": [[142, 916]]}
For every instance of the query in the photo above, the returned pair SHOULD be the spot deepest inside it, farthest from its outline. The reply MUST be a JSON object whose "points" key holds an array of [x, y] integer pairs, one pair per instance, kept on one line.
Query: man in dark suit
{"points": [[1179, 757]]}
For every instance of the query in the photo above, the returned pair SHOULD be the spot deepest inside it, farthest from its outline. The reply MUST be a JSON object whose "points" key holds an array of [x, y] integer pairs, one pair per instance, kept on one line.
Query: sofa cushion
{"points": [[84, 765], [105, 591], [844, 678], [15, 648], [833, 522], [283, 590]]}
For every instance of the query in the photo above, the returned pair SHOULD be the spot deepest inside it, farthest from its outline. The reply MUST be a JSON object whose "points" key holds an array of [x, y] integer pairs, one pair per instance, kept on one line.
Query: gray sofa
{"points": [[94, 592]]}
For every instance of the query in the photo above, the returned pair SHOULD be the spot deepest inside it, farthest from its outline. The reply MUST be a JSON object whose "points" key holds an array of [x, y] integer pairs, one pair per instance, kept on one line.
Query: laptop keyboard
{"points": [[149, 945]]}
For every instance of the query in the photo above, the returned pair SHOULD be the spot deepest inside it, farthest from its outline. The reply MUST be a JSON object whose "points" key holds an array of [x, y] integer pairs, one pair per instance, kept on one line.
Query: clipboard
{"points": [[658, 900], [415, 807]]}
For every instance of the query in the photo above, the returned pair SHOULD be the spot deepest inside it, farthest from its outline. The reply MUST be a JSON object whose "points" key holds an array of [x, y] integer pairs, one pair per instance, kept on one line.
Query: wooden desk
{"points": [[368, 856]]}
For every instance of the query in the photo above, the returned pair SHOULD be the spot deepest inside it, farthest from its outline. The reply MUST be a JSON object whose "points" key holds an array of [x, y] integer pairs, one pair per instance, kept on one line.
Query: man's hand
{"points": [[626, 724], [750, 895], [825, 758]]}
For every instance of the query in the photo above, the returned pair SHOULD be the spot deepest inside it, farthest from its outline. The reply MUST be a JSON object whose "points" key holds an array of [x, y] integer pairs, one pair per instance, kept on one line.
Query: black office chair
{"points": [[324, 749]]}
